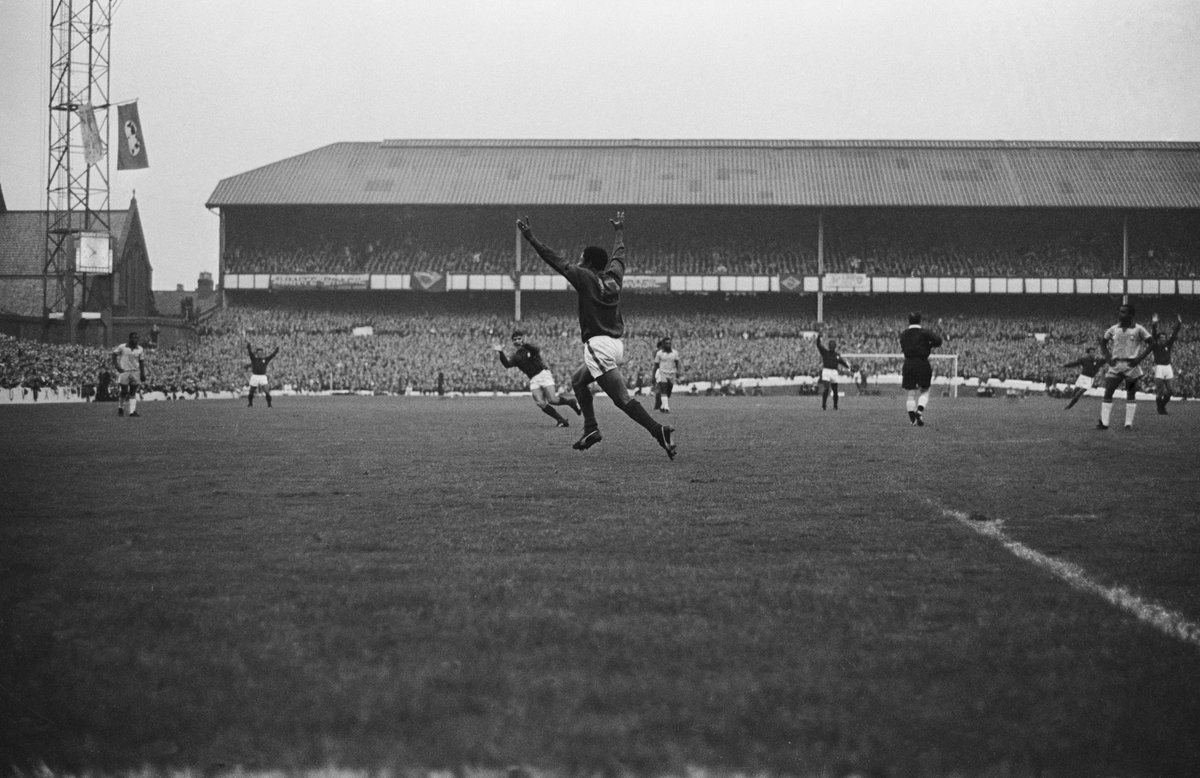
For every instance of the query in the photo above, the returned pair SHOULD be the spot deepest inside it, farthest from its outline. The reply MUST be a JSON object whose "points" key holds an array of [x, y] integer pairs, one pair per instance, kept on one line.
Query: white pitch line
{"points": [[1162, 618]]}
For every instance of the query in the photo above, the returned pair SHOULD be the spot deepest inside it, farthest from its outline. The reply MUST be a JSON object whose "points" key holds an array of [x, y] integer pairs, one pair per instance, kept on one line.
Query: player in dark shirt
{"points": [[258, 373], [830, 359], [1160, 346], [916, 376], [1089, 367], [597, 280], [528, 359]]}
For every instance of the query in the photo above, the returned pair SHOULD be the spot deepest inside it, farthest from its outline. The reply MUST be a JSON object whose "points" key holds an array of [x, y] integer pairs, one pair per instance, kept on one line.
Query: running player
{"points": [[916, 376], [1089, 366], [528, 359], [597, 280]]}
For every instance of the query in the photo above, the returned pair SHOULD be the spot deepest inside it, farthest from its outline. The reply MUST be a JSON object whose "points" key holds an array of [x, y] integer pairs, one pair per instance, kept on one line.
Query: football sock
{"points": [[549, 411], [911, 401], [1105, 412], [666, 402], [583, 396], [634, 410], [834, 391], [923, 400], [1130, 410], [132, 404]]}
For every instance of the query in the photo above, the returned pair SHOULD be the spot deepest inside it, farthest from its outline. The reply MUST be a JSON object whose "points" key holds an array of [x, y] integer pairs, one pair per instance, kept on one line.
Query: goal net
{"points": [[883, 370]]}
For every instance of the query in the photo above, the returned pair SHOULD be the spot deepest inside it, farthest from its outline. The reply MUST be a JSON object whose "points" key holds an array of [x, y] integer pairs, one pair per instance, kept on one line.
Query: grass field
{"points": [[400, 585]]}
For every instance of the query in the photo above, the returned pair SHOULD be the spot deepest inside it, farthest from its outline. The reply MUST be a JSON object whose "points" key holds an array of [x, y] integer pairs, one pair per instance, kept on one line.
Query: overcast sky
{"points": [[225, 86]]}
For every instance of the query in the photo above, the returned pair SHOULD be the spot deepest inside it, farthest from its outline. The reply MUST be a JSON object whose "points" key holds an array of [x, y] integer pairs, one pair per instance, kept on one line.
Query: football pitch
{"points": [[395, 586]]}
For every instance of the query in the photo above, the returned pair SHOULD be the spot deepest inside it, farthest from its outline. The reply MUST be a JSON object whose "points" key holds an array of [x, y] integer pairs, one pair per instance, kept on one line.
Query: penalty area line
{"points": [[1161, 618]]}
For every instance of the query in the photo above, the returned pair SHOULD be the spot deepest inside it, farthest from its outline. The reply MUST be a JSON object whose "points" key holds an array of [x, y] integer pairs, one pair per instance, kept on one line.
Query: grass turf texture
{"points": [[410, 583]]}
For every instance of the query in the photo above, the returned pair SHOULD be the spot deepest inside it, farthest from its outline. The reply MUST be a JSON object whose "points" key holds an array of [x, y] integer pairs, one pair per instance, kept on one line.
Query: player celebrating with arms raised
{"points": [[128, 359], [1160, 346], [528, 359], [597, 280], [258, 373]]}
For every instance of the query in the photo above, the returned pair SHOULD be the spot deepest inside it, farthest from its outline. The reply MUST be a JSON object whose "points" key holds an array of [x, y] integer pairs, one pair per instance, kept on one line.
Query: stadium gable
{"points": [[988, 174]]}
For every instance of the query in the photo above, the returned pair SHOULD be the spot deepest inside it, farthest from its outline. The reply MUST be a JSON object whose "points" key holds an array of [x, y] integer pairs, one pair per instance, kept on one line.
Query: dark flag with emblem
{"points": [[131, 146]]}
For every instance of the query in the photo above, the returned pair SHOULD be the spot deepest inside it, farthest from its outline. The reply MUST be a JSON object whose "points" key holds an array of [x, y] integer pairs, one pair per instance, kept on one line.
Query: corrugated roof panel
{"points": [[735, 173]]}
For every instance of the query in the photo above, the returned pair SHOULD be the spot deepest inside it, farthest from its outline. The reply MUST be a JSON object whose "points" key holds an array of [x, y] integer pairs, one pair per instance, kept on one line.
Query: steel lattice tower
{"points": [[77, 194]]}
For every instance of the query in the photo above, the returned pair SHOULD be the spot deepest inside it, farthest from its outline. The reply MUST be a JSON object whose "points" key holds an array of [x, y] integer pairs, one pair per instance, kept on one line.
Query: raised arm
{"points": [[548, 255], [618, 252]]}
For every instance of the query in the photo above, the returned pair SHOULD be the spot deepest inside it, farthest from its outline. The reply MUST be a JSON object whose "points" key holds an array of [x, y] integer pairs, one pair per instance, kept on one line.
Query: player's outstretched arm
{"points": [[525, 225]]}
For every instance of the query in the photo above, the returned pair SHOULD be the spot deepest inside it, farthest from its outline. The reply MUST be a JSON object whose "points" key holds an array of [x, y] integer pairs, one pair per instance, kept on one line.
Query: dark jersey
{"points": [[599, 293], [258, 365], [917, 342], [528, 359], [830, 359], [1162, 351], [1088, 366]]}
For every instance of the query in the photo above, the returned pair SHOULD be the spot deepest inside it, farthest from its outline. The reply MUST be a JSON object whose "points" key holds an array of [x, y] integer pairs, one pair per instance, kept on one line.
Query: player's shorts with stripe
{"points": [[542, 380], [1084, 382], [916, 374], [829, 375], [129, 378], [1124, 371], [602, 353], [1164, 373], [257, 380]]}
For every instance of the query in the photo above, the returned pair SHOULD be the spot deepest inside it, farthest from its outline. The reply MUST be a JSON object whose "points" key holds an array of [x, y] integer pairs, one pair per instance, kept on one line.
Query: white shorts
{"points": [[129, 378], [1083, 382], [542, 380], [602, 354], [1164, 373], [830, 374], [663, 378], [257, 380], [1124, 371]]}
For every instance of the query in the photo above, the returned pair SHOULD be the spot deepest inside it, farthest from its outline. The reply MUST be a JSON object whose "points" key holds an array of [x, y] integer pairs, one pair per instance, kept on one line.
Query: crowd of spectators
{"points": [[372, 347], [706, 241]]}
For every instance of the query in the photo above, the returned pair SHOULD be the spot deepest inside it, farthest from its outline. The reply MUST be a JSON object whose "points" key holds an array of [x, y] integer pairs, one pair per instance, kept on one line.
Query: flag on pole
{"points": [[131, 146], [93, 146]]}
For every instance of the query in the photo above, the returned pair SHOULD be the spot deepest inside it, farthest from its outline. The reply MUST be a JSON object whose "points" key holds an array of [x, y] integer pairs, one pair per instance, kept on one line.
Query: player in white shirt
{"points": [[128, 359], [1123, 346], [667, 364]]}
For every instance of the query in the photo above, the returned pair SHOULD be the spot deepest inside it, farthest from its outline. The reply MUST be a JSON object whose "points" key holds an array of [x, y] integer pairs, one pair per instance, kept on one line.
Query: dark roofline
{"points": [[778, 143]]}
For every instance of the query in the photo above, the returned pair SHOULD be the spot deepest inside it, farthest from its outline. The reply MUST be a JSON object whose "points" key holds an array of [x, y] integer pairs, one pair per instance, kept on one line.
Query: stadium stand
{"points": [[721, 337]]}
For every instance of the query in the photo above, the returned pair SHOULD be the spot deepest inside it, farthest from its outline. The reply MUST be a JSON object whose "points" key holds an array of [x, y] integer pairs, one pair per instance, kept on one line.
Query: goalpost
{"points": [[944, 366]]}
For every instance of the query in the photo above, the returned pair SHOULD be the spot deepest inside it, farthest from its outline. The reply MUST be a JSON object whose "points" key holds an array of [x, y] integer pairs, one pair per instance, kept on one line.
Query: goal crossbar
{"points": [[951, 358]]}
